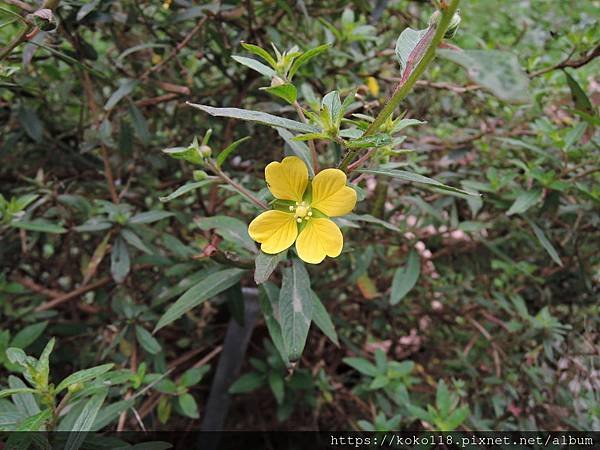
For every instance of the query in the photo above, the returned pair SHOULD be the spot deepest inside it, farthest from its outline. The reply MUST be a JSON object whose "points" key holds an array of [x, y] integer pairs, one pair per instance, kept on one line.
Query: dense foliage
{"points": [[466, 294]]}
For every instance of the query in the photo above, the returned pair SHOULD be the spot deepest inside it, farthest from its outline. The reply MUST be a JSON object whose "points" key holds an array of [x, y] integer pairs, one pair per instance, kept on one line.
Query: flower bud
{"points": [[205, 151], [75, 387], [200, 175], [454, 24]]}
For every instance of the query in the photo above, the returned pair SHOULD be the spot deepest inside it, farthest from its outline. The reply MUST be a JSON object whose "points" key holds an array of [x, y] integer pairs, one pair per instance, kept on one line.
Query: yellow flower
{"points": [[303, 211]]}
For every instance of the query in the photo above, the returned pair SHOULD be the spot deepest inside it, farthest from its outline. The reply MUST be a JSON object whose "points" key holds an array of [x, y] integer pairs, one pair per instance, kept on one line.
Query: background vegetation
{"points": [[447, 311]]}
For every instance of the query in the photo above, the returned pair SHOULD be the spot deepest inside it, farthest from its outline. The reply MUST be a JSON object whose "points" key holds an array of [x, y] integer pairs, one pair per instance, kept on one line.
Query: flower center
{"points": [[301, 211]]}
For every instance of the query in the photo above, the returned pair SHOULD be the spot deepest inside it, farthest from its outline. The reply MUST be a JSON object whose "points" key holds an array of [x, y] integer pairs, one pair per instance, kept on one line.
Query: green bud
{"points": [[205, 151], [44, 19], [75, 387], [452, 27], [200, 175], [454, 24]]}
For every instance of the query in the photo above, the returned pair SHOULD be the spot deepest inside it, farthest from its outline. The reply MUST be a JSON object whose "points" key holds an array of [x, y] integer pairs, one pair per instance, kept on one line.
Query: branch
{"points": [[409, 78], [568, 62]]}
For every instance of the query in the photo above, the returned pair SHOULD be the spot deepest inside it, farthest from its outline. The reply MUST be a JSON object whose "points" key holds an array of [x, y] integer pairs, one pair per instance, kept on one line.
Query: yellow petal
{"points": [[275, 230], [330, 195], [287, 179], [319, 238]]}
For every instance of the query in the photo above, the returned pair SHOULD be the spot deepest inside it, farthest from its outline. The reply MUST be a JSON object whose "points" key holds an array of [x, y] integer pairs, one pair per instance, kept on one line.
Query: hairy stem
{"points": [[238, 187], [406, 84]]}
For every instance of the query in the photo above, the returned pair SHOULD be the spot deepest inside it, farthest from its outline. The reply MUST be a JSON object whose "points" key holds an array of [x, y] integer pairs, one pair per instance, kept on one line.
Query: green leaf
{"points": [[256, 116], [15, 391], [539, 233], [371, 219], [188, 187], [524, 201], [36, 422], [85, 421], [265, 265], [42, 367], [332, 102], [269, 298], [213, 284], [110, 413], [305, 57], [295, 308], [124, 89], [94, 224], [405, 46], [86, 9], [497, 71], [38, 225], [255, 65], [189, 154], [147, 341], [194, 375], [321, 318], [362, 365], [83, 376], [31, 123], [415, 178], [230, 229], [188, 405], [134, 240], [224, 154], [119, 260], [580, 98], [150, 216], [277, 387], [22, 396], [28, 335], [139, 124], [247, 383], [300, 149], [443, 400], [378, 140], [286, 91], [405, 278], [258, 51]]}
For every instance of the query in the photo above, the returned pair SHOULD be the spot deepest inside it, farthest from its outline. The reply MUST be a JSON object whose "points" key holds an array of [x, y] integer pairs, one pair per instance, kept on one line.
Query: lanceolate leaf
{"points": [[85, 421], [119, 260], [257, 116], [222, 157], [305, 57], [213, 284], [407, 47], [405, 278], [266, 264], [295, 308], [524, 201], [269, 297], [255, 65], [229, 228], [497, 71], [286, 91], [322, 319], [415, 178], [539, 233], [39, 225]]}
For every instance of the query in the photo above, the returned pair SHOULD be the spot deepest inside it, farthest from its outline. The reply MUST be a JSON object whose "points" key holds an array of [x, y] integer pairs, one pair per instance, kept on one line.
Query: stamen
{"points": [[292, 208], [299, 220]]}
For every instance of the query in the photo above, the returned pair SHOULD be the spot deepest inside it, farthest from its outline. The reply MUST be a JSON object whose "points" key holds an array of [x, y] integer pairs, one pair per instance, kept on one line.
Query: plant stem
{"points": [[20, 38], [405, 85], [311, 143], [238, 187]]}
